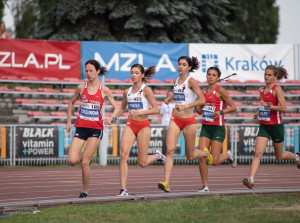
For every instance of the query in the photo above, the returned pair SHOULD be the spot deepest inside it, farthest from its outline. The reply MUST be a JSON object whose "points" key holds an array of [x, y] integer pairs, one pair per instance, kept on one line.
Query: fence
{"points": [[48, 144]]}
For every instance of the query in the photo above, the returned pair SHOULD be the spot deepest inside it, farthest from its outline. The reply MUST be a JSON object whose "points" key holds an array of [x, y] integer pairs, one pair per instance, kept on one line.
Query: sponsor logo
{"points": [[211, 58]]}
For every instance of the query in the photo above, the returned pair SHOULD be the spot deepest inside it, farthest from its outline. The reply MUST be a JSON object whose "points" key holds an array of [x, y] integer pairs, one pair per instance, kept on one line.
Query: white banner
{"points": [[247, 60]]}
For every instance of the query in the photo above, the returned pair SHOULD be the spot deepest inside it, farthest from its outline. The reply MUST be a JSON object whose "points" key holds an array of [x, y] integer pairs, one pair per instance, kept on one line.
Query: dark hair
{"points": [[103, 70], [279, 72], [216, 69], [219, 74], [193, 62], [148, 73]]}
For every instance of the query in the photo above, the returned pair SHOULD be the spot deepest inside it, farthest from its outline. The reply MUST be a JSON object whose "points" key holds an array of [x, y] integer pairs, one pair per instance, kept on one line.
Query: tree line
{"points": [[168, 21]]}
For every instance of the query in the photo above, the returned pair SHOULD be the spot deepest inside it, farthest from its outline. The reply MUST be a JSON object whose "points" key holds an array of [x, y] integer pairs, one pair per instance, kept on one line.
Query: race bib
{"points": [[179, 98], [264, 114], [207, 113], [89, 111], [137, 105]]}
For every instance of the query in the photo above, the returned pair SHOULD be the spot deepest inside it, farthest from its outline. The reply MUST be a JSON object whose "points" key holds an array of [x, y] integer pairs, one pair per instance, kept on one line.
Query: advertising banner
{"points": [[247, 138], [39, 58], [4, 142], [157, 141], [246, 142], [118, 57], [291, 139], [65, 139], [36, 142], [247, 60]]}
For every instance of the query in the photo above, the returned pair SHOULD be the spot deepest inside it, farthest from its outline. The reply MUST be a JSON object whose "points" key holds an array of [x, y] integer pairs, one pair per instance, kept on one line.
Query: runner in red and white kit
{"points": [[89, 123], [218, 103], [141, 102], [272, 104]]}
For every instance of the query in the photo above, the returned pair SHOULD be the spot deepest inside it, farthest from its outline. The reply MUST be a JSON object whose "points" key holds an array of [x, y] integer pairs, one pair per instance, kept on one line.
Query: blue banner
{"points": [[118, 57]]}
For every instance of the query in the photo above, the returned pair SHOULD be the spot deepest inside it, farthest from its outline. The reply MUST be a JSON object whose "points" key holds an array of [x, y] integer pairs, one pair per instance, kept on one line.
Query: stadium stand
{"points": [[33, 101]]}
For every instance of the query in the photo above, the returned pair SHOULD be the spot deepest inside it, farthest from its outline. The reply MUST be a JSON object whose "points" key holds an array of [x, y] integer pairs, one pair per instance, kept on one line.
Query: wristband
{"points": [[113, 118], [222, 112]]}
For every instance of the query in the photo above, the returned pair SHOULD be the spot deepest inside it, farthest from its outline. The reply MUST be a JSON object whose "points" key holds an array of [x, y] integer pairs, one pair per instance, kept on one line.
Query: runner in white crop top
{"points": [[187, 95], [183, 94], [137, 100], [141, 102]]}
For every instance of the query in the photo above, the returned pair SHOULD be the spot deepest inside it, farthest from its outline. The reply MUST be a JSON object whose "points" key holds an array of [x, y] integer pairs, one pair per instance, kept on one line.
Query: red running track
{"points": [[36, 184]]}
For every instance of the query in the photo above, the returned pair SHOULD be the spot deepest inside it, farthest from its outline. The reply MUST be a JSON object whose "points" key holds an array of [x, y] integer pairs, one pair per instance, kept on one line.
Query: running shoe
{"points": [[164, 186], [83, 195], [204, 189], [248, 183], [123, 192], [209, 157], [298, 160], [231, 159], [161, 156]]}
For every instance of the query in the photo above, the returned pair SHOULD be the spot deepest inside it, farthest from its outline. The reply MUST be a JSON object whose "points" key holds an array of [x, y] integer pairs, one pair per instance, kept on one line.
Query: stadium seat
{"points": [[295, 91], [49, 101], [67, 102], [253, 82], [68, 90], [255, 103], [245, 114], [230, 115], [292, 81], [127, 81], [252, 92], [4, 88], [292, 115], [71, 79], [290, 104], [108, 114], [117, 91], [169, 81], [233, 81], [24, 89], [119, 103], [49, 90], [154, 81], [36, 113], [76, 114], [24, 101], [10, 77], [234, 92], [58, 113], [237, 103], [159, 103], [51, 79], [112, 80], [163, 92], [30, 78]]}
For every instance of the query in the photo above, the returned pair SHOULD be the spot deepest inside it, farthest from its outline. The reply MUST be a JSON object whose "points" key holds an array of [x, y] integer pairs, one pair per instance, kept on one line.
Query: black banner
{"points": [[246, 143], [37, 142]]}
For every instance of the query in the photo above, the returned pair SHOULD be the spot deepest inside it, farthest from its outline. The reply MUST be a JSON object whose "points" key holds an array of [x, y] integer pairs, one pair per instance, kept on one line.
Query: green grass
{"points": [[255, 208]]}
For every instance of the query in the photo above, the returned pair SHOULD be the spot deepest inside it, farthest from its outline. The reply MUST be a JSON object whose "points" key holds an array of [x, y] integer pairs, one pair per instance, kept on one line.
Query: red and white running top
{"points": [[90, 110], [265, 116], [213, 104]]}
